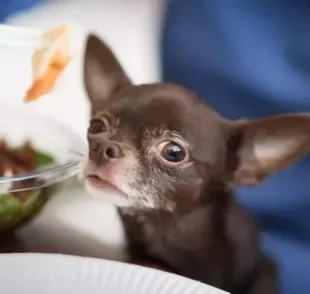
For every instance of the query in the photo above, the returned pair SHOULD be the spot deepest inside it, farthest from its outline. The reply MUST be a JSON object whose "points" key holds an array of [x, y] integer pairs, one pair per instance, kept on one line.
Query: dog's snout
{"points": [[100, 152]]}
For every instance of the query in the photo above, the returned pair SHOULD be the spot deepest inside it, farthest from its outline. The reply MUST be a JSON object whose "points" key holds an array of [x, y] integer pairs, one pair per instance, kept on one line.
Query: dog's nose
{"points": [[99, 152], [112, 150]]}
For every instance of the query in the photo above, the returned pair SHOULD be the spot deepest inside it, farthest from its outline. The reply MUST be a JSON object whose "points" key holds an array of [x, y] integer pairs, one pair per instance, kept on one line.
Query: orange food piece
{"points": [[49, 62], [44, 85]]}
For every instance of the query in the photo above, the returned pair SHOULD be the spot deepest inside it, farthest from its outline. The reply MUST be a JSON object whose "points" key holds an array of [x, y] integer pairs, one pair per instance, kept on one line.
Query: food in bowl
{"points": [[51, 139], [20, 201], [49, 62]]}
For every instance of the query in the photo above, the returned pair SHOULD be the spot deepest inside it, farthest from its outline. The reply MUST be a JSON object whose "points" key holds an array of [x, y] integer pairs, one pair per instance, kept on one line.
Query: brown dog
{"points": [[170, 162]]}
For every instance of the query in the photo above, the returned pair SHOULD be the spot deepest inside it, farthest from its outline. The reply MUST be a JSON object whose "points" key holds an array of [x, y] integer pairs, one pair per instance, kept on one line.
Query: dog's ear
{"points": [[103, 75], [263, 147]]}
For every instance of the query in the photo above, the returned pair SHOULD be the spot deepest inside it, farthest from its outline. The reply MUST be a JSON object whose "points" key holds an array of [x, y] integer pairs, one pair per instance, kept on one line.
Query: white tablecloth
{"points": [[72, 222]]}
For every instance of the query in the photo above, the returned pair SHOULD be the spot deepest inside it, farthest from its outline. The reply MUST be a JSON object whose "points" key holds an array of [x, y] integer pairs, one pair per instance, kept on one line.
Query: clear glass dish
{"points": [[47, 135], [17, 125]]}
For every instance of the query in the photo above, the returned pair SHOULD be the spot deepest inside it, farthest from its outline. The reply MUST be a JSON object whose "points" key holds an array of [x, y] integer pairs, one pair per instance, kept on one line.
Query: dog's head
{"points": [[161, 146]]}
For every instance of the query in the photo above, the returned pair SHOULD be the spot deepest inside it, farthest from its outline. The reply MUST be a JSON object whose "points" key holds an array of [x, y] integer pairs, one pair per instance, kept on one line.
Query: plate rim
{"points": [[43, 260]]}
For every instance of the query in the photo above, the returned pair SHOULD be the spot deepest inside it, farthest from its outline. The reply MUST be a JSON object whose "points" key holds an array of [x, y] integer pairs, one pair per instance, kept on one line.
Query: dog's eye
{"points": [[173, 152], [97, 127]]}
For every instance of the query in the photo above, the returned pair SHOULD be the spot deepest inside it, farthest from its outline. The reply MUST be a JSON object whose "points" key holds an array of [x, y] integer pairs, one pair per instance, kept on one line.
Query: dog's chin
{"points": [[105, 192]]}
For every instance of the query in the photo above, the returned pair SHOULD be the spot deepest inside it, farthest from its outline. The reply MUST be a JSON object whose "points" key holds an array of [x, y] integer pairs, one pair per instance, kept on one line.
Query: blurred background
{"points": [[131, 28]]}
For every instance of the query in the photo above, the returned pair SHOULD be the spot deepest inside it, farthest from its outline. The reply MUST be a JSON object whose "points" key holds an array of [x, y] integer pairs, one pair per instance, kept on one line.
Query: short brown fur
{"points": [[205, 235]]}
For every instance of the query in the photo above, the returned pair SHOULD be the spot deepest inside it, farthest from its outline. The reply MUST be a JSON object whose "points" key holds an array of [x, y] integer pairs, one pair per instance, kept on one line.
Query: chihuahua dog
{"points": [[169, 162]]}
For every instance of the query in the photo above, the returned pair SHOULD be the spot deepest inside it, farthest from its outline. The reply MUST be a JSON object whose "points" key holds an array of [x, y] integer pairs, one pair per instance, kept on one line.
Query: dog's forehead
{"points": [[159, 105]]}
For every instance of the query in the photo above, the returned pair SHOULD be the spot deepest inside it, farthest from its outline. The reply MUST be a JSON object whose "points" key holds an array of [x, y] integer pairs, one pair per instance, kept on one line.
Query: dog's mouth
{"points": [[101, 184]]}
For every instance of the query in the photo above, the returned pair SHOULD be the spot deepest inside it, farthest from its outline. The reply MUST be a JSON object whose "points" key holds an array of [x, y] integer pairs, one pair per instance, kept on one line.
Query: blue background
{"points": [[250, 59]]}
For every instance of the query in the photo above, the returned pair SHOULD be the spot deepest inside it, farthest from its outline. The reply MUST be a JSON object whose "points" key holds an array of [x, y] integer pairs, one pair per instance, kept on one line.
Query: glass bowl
{"points": [[48, 136]]}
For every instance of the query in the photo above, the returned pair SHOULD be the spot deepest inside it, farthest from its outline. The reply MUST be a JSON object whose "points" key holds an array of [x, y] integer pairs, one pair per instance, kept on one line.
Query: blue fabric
{"points": [[252, 59], [9, 7]]}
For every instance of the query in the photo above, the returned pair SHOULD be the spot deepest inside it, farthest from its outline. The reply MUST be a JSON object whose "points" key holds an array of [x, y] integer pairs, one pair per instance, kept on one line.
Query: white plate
{"points": [[63, 274]]}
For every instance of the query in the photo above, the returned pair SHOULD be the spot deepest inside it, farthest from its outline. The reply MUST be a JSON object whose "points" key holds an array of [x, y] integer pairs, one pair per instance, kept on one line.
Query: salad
{"points": [[20, 204]]}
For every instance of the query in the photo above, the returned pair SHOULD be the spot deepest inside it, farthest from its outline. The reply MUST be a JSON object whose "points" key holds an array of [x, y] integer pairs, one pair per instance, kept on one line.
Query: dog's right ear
{"points": [[103, 75], [266, 146]]}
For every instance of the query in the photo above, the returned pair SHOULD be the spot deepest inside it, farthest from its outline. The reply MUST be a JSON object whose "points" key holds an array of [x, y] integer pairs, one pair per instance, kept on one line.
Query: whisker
{"points": [[75, 152]]}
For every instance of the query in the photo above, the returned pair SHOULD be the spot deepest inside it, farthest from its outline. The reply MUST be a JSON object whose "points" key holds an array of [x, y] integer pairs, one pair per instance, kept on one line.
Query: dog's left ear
{"points": [[103, 75], [262, 147]]}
